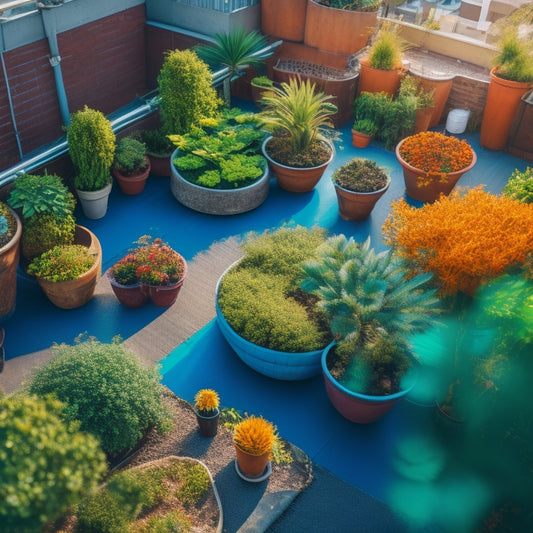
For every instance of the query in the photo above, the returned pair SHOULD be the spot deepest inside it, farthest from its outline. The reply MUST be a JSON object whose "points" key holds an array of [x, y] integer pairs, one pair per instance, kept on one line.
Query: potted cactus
{"points": [[254, 439], [206, 407]]}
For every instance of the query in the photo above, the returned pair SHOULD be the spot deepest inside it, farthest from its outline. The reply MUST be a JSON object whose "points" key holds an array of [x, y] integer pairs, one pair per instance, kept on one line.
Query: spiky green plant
{"points": [[514, 61], [520, 186], [235, 50], [386, 51], [372, 304], [298, 112]]}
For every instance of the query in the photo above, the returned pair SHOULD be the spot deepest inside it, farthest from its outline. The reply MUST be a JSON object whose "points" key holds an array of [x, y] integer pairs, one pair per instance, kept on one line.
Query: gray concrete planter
{"points": [[218, 201]]}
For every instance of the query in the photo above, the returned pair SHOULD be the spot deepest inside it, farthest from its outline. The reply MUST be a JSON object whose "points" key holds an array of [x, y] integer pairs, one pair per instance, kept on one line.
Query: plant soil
{"points": [[279, 149]]}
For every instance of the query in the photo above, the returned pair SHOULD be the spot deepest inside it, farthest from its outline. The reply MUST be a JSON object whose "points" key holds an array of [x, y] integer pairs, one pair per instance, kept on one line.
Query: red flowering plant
{"points": [[152, 262], [436, 154]]}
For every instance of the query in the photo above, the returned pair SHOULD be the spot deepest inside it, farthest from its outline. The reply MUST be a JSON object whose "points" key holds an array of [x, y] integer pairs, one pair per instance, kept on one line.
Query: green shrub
{"points": [[260, 297], [106, 388], [130, 156], [520, 186], [195, 482], [185, 91], [175, 521], [46, 464], [91, 144], [157, 143]]}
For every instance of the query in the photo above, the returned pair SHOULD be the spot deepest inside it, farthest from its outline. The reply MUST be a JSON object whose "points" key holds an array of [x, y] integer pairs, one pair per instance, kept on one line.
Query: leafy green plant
{"points": [[62, 263], [413, 87], [186, 94], [46, 463], [107, 389], [366, 126], [130, 156], [8, 224], [223, 152], [352, 5], [298, 116], [236, 50], [373, 305], [157, 143], [520, 186], [260, 299], [262, 81], [514, 61], [360, 175], [386, 50], [47, 208], [91, 145]]}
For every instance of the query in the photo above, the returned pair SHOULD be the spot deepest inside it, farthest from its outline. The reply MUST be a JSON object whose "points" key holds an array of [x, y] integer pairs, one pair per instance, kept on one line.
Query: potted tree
{"points": [[186, 92], [381, 68], [373, 305], [236, 50], [67, 274], [10, 234], [206, 407], [91, 144], [253, 438], [131, 166], [272, 326], [359, 184], [510, 79], [218, 167], [298, 151], [47, 209], [433, 163]]}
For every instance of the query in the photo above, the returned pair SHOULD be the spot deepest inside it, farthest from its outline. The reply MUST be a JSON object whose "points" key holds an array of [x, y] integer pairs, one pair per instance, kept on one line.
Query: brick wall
{"points": [[467, 93], [103, 65]]}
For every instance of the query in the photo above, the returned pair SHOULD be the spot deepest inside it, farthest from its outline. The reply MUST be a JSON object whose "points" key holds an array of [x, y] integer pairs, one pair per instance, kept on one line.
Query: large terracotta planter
{"points": [[77, 292], [94, 203], [9, 258], [252, 466], [374, 80], [356, 407], [284, 19], [132, 185], [218, 201], [338, 30], [503, 99], [357, 205], [131, 296], [286, 366], [423, 119], [296, 179], [431, 192]]}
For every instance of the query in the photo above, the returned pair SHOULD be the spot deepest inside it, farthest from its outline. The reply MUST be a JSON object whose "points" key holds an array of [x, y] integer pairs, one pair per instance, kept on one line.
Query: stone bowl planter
{"points": [[218, 201]]}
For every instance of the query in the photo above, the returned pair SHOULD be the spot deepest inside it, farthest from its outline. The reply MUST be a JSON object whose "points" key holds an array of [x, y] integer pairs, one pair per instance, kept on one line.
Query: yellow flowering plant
{"points": [[206, 402], [254, 435]]}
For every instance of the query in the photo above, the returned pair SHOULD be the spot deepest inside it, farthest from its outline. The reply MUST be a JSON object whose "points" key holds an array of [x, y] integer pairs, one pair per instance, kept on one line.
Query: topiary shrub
{"points": [[91, 145], [106, 388], [186, 94], [46, 464]]}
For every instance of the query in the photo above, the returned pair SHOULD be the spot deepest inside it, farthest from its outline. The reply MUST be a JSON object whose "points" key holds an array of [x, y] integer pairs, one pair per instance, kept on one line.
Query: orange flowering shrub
{"points": [[436, 154], [464, 239]]}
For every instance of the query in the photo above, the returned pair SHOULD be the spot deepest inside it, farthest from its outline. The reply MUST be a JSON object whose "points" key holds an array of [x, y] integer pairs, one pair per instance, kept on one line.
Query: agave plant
{"points": [[372, 305], [235, 50], [298, 113]]}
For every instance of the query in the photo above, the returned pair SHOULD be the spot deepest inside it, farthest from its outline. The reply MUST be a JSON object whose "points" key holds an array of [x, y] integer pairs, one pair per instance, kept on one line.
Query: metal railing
{"points": [[225, 6]]}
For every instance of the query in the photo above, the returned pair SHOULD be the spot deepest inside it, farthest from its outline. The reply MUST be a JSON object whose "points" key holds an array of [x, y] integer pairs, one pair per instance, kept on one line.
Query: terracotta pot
{"points": [[423, 118], [251, 465], [347, 31], [361, 140], [357, 205], [77, 292], [356, 407], [208, 425], [429, 193], [503, 99], [373, 80], [132, 185], [160, 165], [296, 179], [284, 20], [165, 295], [9, 258], [442, 87], [131, 296]]}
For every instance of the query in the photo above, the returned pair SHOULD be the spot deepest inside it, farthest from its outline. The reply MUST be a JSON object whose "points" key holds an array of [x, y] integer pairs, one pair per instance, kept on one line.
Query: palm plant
{"points": [[235, 50], [299, 114], [372, 305]]}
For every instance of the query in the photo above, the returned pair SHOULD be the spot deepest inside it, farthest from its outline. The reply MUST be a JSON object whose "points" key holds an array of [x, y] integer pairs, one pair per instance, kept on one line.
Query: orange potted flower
{"points": [[433, 163], [206, 407]]}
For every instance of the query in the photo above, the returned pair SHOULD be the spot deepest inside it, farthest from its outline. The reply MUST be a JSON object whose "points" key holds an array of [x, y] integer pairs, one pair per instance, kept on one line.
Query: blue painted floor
{"points": [[365, 456]]}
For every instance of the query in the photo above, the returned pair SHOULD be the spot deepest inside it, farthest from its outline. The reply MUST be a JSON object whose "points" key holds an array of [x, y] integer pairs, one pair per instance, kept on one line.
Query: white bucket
{"points": [[457, 120]]}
